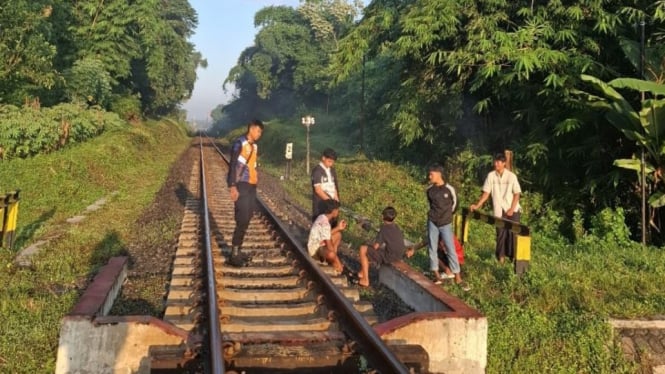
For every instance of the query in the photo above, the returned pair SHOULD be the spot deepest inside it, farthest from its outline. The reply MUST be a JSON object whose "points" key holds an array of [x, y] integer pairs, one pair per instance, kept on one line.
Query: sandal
{"points": [[464, 286]]}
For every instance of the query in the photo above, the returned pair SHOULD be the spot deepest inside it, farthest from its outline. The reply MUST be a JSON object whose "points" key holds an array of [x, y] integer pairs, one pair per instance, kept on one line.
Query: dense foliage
{"points": [[98, 52], [434, 78], [30, 130]]}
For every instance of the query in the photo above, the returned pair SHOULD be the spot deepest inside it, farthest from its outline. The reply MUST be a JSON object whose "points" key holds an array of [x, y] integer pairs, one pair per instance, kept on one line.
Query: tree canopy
{"points": [[435, 77], [59, 51]]}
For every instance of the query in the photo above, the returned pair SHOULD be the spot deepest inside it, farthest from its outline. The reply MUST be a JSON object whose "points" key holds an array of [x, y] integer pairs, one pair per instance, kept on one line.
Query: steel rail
{"points": [[216, 360], [376, 351]]}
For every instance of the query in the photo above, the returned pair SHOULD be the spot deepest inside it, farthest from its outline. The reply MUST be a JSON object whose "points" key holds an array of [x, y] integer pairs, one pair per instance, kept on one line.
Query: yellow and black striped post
{"points": [[522, 237], [9, 218], [3, 218]]}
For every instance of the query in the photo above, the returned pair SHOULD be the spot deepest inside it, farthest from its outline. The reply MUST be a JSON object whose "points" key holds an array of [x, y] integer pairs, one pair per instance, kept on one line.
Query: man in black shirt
{"points": [[442, 203], [324, 182], [387, 247]]}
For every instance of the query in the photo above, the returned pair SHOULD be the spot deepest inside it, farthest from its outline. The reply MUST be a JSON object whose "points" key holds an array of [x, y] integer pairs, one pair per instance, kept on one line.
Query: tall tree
{"points": [[26, 53], [103, 30], [291, 50], [166, 70]]}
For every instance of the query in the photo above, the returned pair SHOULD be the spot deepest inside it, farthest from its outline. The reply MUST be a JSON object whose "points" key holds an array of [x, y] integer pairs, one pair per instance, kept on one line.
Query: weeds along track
{"points": [[281, 312]]}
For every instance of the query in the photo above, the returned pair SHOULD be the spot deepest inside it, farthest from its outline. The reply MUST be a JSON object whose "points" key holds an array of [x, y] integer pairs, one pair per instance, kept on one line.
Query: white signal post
{"points": [[288, 154], [307, 122]]}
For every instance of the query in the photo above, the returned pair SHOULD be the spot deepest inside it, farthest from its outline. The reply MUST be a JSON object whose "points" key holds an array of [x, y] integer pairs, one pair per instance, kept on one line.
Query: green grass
{"points": [[554, 318], [132, 162]]}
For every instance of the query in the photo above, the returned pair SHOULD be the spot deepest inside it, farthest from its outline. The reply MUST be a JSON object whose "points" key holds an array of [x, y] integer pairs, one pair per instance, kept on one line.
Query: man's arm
{"points": [[340, 227], [329, 245], [517, 190], [334, 174], [513, 205], [320, 193], [480, 202], [232, 178]]}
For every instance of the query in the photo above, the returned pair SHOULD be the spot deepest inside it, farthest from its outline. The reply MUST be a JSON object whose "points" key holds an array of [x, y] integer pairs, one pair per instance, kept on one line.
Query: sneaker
{"points": [[436, 277], [236, 261], [464, 286], [447, 276]]}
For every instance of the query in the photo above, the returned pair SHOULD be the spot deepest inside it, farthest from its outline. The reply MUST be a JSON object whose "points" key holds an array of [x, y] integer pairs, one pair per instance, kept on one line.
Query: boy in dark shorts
{"points": [[388, 246]]}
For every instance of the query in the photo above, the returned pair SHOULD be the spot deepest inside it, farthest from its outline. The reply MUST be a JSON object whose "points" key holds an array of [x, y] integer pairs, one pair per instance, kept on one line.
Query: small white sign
{"points": [[289, 151]]}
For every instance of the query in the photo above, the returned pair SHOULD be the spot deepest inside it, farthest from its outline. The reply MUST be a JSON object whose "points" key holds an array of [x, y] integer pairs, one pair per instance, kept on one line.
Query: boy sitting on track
{"points": [[323, 239], [388, 246]]}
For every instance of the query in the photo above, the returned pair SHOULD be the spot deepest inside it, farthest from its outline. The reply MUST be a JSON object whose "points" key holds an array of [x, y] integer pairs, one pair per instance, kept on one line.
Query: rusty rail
{"points": [[215, 334]]}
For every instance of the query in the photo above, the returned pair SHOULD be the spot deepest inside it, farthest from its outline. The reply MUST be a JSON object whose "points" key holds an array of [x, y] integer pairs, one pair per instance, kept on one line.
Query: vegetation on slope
{"points": [[124, 165]]}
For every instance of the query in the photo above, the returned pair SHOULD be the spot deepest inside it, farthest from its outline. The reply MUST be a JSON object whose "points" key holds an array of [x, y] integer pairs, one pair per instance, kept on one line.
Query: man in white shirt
{"points": [[323, 239], [324, 182], [503, 186]]}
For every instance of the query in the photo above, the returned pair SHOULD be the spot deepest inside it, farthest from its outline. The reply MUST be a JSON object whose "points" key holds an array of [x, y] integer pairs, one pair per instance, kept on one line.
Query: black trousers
{"points": [[244, 209], [505, 239]]}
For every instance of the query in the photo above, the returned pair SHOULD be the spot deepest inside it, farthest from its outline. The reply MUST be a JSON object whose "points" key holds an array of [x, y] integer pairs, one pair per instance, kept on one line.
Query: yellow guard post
{"points": [[522, 235], [10, 217]]}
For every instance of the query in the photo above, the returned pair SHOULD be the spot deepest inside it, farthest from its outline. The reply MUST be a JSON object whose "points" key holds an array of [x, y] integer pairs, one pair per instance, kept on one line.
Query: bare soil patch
{"points": [[153, 241]]}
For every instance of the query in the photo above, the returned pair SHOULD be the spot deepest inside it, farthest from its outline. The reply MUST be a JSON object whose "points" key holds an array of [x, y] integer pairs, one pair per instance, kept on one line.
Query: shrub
{"points": [[89, 82], [30, 130], [610, 226], [128, 107]]}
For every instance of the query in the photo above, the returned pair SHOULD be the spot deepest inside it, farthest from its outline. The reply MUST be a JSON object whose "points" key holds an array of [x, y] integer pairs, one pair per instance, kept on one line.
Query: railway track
{"points": [[282, 312]]}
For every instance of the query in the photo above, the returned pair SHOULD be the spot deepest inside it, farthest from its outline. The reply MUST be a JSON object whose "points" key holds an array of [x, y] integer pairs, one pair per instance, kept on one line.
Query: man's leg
{"points": [[243, 214], [364, 266], [433, 244], [501, 244], [510, 236], [505, 240], [451, 254], [332, 257]]}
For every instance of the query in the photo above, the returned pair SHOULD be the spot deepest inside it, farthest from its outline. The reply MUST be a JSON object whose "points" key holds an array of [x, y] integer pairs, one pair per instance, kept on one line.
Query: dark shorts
{"points": [[376, 256]]}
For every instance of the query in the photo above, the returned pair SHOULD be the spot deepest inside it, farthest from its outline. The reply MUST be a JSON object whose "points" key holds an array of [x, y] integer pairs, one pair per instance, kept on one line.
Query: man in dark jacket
{"points": [[442, 203], [242, 180]]}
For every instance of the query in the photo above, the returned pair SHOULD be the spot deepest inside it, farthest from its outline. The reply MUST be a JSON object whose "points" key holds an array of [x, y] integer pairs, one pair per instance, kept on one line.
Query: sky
{"points": [[225, 29]]}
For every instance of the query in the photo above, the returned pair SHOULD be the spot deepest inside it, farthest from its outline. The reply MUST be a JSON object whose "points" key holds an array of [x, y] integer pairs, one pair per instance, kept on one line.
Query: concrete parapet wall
{"points": [[111, 344], [453, 334], [93, 343]]}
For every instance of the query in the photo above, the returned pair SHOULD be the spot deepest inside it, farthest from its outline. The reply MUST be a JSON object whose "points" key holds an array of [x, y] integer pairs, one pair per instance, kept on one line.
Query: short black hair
{"points": [[330, 153], [500, 157], [329, 205], [436, 167], [389, 213], [255, 122]]}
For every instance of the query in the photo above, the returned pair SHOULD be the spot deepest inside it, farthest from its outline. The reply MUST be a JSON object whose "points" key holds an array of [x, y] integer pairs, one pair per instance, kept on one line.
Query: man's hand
{"points": [[234, 193], [473, 207], [510, 212]]}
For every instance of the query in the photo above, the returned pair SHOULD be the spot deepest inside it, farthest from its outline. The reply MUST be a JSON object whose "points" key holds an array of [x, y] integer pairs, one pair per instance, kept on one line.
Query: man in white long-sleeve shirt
{"points": [[503, 186]]}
